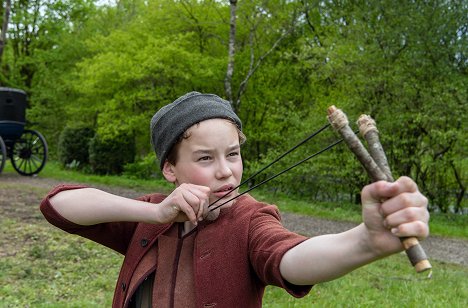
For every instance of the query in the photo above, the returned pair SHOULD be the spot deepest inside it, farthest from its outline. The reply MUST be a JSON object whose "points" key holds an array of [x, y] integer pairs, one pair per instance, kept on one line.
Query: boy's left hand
{"points": [[392, 210]]}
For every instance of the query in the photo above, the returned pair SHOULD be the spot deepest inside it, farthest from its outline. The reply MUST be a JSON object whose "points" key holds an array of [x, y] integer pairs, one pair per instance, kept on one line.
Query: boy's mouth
{"points": [[223, 191]]}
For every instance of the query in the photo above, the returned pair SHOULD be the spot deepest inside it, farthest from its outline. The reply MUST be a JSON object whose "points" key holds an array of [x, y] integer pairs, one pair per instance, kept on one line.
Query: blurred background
{"points": [[96, 71]]}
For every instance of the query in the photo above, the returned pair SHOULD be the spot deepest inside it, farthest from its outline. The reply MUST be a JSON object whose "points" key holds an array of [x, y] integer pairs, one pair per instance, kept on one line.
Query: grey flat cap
{"points": [[174, 119]]}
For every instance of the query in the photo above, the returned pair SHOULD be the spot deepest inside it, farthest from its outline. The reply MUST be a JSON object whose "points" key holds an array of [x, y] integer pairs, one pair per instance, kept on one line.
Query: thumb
{"points": [[382, 190]]}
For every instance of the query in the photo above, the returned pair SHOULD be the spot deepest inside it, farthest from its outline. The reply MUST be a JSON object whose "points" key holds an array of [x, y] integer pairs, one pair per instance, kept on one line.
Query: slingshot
{"points": [[375, 164]]}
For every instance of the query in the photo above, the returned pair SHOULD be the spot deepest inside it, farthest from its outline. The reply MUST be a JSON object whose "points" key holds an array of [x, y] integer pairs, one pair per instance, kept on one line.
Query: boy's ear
{"points": [[168, 172]]}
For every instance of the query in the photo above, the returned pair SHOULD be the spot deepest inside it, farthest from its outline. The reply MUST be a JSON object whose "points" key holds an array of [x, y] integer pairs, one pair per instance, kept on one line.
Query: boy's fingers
{"points": [[200, 206], [417, 229], [202, 193], [191, 200], [376, 192], [203, 210], [404, 201], [407, 215], [185, 201], [381, 190], [188, 210]]}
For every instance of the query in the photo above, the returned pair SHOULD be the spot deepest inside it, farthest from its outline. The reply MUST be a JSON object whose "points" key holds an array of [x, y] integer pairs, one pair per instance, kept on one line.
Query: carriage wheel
{"points": [[3, 154], [29, 153]]}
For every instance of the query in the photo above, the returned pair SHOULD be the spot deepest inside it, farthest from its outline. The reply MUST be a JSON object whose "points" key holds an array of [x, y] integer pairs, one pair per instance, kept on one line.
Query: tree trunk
{"points": [[231, 52], [462, 188], [6, 20]]}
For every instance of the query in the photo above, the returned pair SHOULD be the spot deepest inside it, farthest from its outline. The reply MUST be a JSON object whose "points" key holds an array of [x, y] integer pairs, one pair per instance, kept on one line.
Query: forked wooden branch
{"points": [[377, 167], [340, 123]]}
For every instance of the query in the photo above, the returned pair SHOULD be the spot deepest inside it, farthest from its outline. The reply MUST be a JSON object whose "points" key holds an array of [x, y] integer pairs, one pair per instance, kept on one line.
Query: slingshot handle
{"points": [[416, 254]]}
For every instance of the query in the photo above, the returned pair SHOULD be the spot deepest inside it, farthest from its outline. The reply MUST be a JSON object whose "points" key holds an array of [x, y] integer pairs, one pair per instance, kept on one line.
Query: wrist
{"points": [[379, 243], [368, 244], [154, 214], [161, 213]]}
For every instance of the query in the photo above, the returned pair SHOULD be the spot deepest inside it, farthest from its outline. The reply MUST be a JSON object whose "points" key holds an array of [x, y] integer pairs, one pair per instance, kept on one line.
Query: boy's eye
{"points": [[233, 153], [204, 158]]}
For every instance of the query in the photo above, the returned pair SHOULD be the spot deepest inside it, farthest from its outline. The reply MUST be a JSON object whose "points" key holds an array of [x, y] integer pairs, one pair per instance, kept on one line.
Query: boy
{"points": [[179, 254]]}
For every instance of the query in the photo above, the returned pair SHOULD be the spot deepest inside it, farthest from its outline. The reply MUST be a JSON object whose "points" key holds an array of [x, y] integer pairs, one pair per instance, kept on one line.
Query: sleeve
{"points": [[116, 235], [269, 241]]}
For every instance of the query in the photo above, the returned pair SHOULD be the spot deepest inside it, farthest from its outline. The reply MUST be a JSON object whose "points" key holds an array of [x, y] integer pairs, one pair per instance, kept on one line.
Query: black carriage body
{"points": [[26, 148], [12, 113]]}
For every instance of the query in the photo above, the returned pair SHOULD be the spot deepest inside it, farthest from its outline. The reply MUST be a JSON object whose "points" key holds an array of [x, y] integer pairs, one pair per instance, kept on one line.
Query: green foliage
{"points": [[406, 67], [145, 168], [73, 146], [110, 155], [112, 67]]}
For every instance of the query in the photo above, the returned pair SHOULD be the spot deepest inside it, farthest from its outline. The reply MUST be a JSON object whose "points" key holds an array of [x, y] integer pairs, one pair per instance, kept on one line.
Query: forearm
{"points": [[88, 206], [327, 257], [403, 213]]}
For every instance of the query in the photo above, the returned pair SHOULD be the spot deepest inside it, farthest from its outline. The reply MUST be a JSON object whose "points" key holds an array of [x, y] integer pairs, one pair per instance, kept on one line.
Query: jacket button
{"points": [[123, 286], [144, 242]]}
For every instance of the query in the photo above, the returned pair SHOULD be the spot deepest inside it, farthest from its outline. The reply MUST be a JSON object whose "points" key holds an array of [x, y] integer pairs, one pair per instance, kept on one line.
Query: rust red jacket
{"points": [[235, 256]]}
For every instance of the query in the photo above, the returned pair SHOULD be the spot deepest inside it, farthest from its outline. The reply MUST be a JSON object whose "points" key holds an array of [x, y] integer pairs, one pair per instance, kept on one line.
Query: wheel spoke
{"points": [[30, 166], [20, 166], [27, 168], [34, 158], [34, 161]]}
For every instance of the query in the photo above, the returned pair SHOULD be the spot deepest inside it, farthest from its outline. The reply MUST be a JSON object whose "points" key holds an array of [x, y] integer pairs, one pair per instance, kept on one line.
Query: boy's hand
{"points": [[186, 202], [392, 210]]}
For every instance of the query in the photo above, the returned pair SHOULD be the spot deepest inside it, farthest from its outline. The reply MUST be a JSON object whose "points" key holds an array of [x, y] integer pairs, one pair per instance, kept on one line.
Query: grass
{"points": [[44, 267], [53, 269], [386, 283], [41, 266], [53, 170]]}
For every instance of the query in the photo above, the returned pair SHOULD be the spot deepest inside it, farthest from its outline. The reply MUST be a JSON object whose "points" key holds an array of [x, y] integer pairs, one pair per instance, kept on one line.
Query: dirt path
{"points": [[20, 197]]}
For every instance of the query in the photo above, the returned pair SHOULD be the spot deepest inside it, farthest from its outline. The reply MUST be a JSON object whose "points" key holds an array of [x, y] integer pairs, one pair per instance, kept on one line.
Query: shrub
{"points": [[73, 146], [110, 155], [144, 168]]}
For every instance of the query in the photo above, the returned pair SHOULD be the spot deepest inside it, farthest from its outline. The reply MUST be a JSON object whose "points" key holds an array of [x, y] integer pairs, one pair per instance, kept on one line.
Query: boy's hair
{"points": [[172, 155], [173, 120]]}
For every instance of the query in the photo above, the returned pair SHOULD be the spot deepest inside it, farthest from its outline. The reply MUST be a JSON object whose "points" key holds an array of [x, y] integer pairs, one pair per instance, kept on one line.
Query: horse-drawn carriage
{"points": [[26, 148]]}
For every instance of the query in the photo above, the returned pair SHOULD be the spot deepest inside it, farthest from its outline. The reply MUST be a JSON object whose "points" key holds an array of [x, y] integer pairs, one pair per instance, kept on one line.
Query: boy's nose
{"points": [[223, 170]]}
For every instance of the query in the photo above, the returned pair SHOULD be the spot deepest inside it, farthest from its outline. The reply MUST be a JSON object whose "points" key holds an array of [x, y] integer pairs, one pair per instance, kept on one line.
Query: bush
{"points": [[144, 168], [73, 146], [110, 155]]}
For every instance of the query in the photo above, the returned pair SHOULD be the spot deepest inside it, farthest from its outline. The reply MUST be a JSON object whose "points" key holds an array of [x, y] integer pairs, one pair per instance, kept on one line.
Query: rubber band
{"points": [[338, 119], [272, 163], [366, 124]]}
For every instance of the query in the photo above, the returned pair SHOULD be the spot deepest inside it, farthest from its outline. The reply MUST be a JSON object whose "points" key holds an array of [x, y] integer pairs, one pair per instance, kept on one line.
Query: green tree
{"points": [[405, 65], [111, 67]]}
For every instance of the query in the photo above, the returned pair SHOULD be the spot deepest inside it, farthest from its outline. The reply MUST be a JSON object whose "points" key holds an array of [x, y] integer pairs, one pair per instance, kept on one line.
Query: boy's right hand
{"points": [[186, 202]]}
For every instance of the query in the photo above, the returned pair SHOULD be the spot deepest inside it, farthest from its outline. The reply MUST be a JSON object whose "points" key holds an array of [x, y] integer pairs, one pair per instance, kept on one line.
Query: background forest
{"points": [[96, 71]]}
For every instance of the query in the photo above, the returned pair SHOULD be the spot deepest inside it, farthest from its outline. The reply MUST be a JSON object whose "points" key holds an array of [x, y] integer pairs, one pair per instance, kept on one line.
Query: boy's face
{"points": [[211, 157]]}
